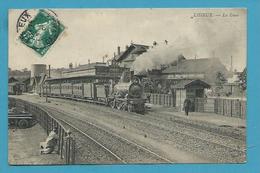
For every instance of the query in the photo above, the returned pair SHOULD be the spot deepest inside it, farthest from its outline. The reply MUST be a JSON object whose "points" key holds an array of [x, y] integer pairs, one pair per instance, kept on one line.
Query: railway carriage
{"points": [[77, 90], [88, 90], [66, 89], [101, 92], [55, 89]]}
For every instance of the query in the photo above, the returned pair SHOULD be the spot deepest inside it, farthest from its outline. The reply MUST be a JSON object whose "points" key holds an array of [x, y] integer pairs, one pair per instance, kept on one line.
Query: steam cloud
{"points": [[163, 54], [204, 41]]}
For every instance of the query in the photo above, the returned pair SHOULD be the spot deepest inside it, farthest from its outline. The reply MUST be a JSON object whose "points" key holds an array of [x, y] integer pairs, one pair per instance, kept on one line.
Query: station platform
{"points": [[23, 147], [209, 118]]}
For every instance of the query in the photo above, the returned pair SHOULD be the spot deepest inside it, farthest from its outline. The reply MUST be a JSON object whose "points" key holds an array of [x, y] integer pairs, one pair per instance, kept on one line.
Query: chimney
{"points": [[126, 47], [118, 50], [70, 66], [88, 61]]}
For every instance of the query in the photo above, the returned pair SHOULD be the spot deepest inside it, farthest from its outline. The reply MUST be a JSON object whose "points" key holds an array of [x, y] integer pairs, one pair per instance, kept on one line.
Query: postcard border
{"points": [[253, 63]]}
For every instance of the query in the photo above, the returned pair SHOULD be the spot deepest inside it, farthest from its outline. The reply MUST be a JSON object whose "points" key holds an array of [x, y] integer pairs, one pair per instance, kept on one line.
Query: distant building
{"points": [[233, 88], [203, 69], [56, 73], [97, 69], [189, 89], [126, 58], [12, 79], [19, 75]]}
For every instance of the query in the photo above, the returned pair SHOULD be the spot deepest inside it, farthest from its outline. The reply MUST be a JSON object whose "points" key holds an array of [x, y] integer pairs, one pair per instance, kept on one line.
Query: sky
{"points": [[92, 33]]}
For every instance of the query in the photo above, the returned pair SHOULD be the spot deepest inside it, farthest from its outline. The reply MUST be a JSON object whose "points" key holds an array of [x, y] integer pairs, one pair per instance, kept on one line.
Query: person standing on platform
{"points": [[187, 105]]}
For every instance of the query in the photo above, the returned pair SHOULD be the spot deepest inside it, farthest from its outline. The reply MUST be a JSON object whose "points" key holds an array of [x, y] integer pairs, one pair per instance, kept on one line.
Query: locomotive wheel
{"points": [[23, 124]]}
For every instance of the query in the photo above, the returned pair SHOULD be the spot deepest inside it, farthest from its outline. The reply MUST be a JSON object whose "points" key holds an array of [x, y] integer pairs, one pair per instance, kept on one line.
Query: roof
{"points": [[12, 79], [14, 83], [86, 66], [142, 73], [21, 80], [192, 66], [188, 83], [132, 49]]}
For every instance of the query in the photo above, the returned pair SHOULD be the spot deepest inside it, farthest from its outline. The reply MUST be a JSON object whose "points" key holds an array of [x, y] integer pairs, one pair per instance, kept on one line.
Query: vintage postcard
{"points": [[127, 86]]}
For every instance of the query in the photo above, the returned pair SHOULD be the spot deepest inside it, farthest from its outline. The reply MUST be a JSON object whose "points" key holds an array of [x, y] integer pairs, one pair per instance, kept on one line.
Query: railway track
{"points": [[192, 139], [195, 140], [105, 156], [193, 124], [183, 127], [120, 149], [212, 132]]}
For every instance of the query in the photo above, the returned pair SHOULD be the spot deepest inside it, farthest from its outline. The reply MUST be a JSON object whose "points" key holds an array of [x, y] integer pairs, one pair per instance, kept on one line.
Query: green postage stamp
{"points": [[41, 32]]}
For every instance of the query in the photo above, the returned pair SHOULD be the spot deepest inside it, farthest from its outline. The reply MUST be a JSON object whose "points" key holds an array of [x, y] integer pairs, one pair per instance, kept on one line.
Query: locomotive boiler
{"points": [[128, 96]]}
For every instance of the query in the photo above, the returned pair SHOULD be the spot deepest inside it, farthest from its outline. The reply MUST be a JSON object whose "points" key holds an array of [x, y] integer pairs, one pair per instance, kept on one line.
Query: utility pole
{"points": [[46, 94], [49, 75]]}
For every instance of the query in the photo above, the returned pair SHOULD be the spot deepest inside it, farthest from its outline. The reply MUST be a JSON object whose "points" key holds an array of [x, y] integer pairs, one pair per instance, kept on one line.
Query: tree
{"points": [[220, 81], [242, 79]]}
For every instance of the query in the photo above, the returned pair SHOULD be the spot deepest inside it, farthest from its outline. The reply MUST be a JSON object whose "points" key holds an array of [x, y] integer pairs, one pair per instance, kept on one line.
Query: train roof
{"points": [[82, 77]]}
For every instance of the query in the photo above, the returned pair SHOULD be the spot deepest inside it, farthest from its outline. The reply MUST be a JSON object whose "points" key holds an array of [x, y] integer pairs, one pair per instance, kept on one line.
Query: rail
{"points": [[66, 143]]}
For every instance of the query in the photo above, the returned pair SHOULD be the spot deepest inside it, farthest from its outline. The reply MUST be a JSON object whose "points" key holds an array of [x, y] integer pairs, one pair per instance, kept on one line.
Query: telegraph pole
{"points": [[49, 75]]}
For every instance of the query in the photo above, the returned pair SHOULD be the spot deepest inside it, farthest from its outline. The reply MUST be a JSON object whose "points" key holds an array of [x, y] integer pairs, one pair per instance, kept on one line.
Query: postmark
{"points": [[39, 32]]}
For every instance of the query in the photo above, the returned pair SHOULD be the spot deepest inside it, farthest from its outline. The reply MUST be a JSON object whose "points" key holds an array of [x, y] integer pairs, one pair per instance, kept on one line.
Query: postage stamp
{"points": [[41, 32]]}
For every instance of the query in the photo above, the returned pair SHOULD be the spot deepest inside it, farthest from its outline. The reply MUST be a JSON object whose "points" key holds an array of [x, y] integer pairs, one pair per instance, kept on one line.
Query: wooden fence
{"points": [[161, 99], [224, 106], [66, 144]]}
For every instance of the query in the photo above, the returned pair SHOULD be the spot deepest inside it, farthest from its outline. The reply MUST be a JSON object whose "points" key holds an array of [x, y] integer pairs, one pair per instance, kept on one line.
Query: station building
{"points": [[96, 69], [189, 69], [126, 58]]}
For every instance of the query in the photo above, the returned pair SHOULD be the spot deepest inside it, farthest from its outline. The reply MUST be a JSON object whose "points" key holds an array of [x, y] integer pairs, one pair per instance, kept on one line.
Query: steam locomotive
{"points": [[127, 96]]}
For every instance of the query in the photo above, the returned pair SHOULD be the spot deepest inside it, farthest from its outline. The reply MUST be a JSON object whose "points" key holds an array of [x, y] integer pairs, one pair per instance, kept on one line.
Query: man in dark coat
{"points": [[187, 105]]}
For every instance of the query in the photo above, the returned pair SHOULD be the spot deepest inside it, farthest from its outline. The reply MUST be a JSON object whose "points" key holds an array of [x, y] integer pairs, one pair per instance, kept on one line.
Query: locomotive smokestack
{"points": [[131, 75]]}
